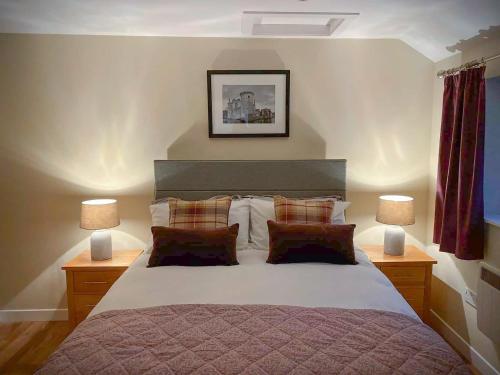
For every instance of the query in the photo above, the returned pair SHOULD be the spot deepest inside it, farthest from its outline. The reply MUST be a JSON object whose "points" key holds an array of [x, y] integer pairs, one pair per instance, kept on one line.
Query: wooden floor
{"points": [[25, 346]]}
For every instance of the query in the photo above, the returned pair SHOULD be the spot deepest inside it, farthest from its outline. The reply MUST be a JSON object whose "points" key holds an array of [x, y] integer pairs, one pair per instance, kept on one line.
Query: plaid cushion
{"points": [[205, 214], [303, 211]]}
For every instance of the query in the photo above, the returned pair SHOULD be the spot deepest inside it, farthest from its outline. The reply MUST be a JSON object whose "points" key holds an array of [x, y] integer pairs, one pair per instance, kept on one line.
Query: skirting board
{"points": [[462, 346], [11, 316]]}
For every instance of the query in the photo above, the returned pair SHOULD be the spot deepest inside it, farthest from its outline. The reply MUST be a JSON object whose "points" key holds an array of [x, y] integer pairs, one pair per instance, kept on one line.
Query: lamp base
{"points": [[100, 245], [394, 240]]}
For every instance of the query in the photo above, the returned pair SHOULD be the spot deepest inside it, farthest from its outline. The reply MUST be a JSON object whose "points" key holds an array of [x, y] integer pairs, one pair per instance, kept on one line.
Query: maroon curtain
{"points": [[459, 215]]}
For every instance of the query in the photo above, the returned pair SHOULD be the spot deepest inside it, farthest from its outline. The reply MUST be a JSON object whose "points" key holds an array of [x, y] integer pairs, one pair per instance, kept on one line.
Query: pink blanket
{"points": [[253, 340]]}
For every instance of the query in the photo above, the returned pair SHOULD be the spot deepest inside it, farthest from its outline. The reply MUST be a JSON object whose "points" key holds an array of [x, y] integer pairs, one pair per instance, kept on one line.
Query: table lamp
{"points": [[100, 215], [395, 210]]}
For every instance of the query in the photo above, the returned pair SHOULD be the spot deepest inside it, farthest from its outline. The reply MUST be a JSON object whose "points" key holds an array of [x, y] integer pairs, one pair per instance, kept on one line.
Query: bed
{"points": [[254, 318]]}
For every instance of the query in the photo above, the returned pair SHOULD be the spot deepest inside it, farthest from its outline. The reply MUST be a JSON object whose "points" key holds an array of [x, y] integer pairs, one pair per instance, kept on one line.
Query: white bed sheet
{"points": [[254, 281]]}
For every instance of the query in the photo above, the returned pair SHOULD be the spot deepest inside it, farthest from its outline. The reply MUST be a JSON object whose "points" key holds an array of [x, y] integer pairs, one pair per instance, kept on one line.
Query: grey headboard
{"points": [[201, 179]]}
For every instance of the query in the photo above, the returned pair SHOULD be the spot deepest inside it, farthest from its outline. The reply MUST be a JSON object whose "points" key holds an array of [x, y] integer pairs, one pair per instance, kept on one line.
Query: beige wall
{"points": [[451, 275], [85, 116]]}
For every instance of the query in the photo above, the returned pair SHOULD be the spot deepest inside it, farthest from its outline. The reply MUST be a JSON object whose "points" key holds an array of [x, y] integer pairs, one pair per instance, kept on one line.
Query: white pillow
{"points": [[239, 212], [262, 210], [160, 214], [338, 216]]}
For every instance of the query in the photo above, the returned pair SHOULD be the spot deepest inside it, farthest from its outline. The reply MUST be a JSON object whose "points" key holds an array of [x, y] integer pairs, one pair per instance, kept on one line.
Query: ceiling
{"points": [[429, 26]]}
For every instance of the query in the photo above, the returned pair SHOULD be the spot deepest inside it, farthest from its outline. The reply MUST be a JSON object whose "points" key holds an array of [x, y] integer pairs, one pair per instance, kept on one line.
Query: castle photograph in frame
{"points": [[248, 103]]}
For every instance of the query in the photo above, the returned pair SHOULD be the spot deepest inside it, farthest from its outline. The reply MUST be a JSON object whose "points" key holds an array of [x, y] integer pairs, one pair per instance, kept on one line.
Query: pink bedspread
{"points": [[253, 340]]}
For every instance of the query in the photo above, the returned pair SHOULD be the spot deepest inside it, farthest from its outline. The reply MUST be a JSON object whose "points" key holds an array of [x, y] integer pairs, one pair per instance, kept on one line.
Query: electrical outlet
{"points": [[470, 297]]}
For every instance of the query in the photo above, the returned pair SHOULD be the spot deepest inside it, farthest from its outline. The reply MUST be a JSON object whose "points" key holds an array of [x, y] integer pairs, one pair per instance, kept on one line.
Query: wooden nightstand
{"points": [[88, 280], [410, 273]]}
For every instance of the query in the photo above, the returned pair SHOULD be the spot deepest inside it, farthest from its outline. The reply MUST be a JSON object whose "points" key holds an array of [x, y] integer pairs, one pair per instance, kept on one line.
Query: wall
{"points": [[451, 275], [85, 116]]}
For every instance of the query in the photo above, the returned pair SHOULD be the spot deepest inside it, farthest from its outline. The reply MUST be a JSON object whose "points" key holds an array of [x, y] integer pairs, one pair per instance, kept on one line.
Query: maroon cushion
{"points": [[294, 243], [193, 247]]}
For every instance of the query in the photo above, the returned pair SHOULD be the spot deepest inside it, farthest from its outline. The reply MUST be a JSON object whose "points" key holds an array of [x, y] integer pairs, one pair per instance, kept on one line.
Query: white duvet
{"points": [[254, 281]]}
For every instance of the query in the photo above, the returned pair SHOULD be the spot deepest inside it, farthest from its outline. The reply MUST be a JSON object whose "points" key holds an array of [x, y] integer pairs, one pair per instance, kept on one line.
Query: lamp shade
{"points": [[99, 214], [395, 210]]}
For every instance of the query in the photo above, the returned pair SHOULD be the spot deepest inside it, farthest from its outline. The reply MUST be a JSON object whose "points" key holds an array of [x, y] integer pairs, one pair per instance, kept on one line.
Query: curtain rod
{"points": [[468, 65]]}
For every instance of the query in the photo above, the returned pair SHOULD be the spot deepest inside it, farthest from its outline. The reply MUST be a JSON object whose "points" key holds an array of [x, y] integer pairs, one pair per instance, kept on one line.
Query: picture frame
{"points": [[248, 103]]}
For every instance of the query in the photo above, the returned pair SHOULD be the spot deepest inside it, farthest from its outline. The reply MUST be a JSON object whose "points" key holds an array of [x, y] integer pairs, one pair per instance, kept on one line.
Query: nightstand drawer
{"points": [[88, 280], [84, 303], [420, 313], [94, 281], [414, 296], [410, 273], [404, 275]]}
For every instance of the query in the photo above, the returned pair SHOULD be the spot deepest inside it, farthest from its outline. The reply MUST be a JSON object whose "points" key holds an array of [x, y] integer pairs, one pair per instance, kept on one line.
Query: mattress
{"points": [[254, 282]]}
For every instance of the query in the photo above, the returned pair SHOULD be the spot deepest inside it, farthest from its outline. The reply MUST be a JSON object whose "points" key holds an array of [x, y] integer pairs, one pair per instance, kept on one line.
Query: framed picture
{"points": [[248, 103]]}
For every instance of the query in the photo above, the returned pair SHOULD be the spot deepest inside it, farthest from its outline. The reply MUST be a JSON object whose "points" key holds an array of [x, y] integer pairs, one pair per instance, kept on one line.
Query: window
{"points": [[492, 152]]}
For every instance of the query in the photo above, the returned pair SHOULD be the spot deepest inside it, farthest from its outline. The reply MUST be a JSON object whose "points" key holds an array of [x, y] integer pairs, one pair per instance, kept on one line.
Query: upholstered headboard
{"points": [[201, 179]]}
